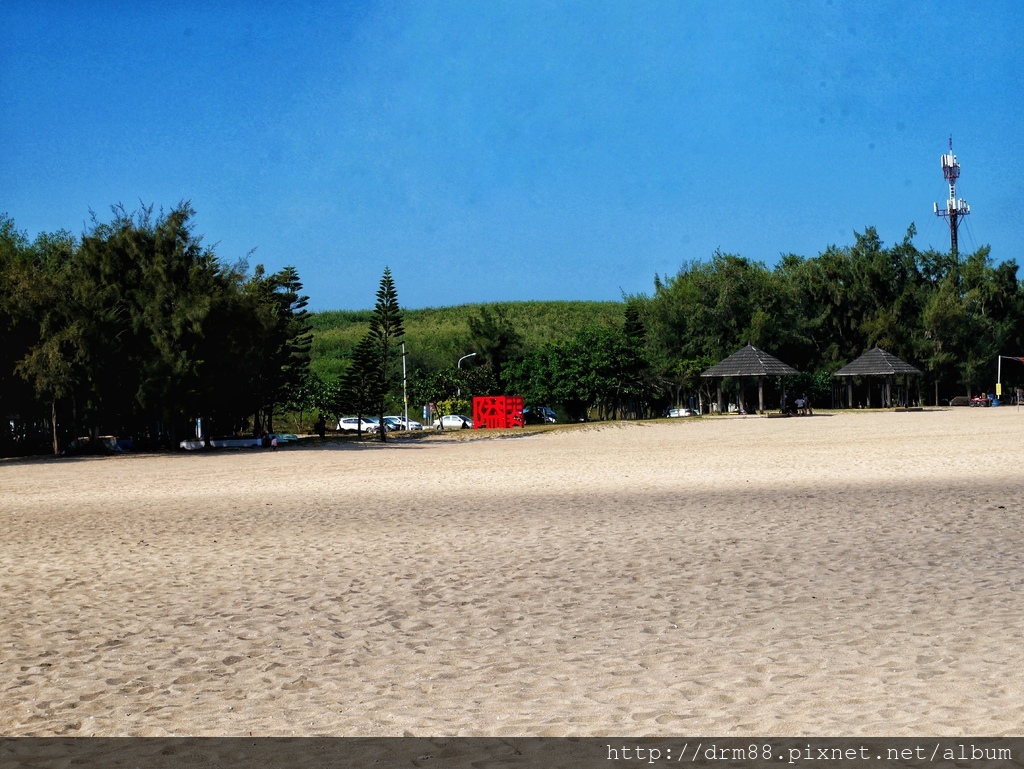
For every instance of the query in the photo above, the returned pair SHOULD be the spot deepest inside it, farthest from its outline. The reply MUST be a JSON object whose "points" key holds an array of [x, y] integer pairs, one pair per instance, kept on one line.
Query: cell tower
{"points": [[955, 208]]}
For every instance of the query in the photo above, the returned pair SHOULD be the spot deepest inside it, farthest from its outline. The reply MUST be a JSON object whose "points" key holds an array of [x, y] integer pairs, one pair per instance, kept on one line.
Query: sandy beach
{"points": [[843, 574]]}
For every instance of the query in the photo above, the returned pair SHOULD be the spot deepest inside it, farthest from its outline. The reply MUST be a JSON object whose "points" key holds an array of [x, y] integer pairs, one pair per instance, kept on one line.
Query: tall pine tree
{"points": [[386, 332], [285, 340]]}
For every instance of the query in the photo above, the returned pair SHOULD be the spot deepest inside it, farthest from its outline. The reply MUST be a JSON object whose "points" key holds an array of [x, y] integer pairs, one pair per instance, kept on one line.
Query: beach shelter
{"points": [[748, 362], [877, 363]]}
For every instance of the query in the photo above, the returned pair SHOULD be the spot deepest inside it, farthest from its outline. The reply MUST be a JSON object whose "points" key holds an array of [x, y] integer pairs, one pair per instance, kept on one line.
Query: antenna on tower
{"points": [[955, 209]]}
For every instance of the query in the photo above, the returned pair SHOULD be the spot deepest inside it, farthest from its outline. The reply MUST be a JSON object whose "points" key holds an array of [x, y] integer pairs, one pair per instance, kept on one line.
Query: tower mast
{"points": [[955, 208]]}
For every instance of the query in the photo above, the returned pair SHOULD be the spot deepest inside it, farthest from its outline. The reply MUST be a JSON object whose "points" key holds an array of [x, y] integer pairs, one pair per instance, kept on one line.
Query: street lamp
{"points": [[458, 393]]}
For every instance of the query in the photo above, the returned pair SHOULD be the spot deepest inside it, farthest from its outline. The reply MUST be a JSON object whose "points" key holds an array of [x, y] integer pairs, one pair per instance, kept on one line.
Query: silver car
{"points": [[400, 423], [453, 422]]}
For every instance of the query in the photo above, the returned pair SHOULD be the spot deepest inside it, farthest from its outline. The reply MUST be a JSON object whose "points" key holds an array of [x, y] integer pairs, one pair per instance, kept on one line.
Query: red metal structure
{"points": [[497, 411]]}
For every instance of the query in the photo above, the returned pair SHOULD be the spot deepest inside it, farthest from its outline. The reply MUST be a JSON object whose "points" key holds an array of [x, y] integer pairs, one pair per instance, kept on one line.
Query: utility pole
{"points": [[956, 209]]}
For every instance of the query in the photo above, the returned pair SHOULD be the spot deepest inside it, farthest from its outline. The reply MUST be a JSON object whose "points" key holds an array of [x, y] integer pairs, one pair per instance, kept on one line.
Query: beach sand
{"points": [[843, 574]]}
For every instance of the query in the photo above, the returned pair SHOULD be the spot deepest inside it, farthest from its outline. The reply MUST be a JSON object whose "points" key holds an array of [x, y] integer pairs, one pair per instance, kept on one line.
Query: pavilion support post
{"points": [[739, 395], [760, 394], [849, 393], [721, 400], [869, 392]]}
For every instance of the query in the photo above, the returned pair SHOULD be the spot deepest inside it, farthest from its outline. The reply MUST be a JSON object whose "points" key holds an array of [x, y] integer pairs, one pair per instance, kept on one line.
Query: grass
{"points": [[436, 337]]}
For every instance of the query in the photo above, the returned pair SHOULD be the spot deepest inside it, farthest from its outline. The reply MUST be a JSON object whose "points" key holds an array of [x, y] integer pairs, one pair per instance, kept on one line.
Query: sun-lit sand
{"points": [[842, 574]]}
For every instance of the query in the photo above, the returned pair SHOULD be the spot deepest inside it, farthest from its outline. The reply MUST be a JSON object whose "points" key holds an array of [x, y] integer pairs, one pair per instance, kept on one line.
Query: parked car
{"points": [[400, 423], [351, 425], [539, 415], [105, 444], [960, 400], [453, 422], [376, 422], [682, 413]]}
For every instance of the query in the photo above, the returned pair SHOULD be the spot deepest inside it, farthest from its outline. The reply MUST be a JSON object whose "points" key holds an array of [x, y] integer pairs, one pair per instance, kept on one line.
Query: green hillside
{"points": [[437, 337]]}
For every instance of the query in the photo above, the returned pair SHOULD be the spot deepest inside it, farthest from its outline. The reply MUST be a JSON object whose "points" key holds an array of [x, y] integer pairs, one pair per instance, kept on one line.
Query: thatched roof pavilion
{"points": [[748, 361], [876, 363]]}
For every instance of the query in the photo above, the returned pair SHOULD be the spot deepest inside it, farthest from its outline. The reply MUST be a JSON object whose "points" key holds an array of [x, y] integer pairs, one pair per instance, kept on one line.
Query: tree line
{"points": [[948, 315], [138, 329]]}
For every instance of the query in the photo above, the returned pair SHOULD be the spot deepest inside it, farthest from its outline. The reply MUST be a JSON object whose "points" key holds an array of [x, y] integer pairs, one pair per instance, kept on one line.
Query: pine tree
{"points": [[386, 332], [285, 340], [361, 391]]}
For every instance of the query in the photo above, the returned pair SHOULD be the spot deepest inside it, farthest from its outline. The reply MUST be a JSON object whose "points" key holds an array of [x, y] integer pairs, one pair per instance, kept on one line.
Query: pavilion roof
{"points": [[750, 361], [876, 362]]}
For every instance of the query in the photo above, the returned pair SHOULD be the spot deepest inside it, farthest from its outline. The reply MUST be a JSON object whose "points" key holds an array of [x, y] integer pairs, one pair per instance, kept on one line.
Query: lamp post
{"points": [[458, 365]]}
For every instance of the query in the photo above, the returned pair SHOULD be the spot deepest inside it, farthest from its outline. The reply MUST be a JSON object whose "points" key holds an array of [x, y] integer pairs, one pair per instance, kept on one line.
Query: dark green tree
{"points": [[138, 329], [54, 359], [493, 336], [362, 393], [714, 308], [600, 368], [284, 342], [17, 332], [385, 335]]}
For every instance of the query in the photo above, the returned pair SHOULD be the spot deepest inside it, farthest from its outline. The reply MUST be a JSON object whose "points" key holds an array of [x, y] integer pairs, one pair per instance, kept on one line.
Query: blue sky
{"points": [[493, 151]]}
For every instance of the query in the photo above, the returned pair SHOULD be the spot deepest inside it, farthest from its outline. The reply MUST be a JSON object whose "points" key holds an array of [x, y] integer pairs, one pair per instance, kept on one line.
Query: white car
{"points": [[399, 423], [682, 413], [351, 425], [453, 422]]}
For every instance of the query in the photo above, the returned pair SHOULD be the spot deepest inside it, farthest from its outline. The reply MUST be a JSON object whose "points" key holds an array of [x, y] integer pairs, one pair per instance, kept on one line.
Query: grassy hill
{"points": [[436, 337]]}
